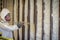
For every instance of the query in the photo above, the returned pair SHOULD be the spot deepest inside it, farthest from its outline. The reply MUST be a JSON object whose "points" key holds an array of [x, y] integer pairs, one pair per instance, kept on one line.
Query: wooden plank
{"points": [[26, 14], [35, 18], [39, 20], [51, 20], [20, 18], [59, 19], [10, 8], [4, 3], [0, 9], [15, 11], [23, 15], [47, 20], [32, 27], [15, 33], [55, 16], [0, 5], [43, 19], [28, 19]]}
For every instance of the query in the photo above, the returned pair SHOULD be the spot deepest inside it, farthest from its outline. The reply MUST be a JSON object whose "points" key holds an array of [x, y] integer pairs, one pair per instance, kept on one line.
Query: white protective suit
{"points": [[4, 25]]}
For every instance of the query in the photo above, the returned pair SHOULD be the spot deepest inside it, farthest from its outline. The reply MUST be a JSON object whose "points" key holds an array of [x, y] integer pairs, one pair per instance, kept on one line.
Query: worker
{"points": [[4, 23]]}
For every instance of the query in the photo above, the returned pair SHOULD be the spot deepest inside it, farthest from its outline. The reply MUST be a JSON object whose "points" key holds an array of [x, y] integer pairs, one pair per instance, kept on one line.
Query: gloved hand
{"points": [[19, 25]]}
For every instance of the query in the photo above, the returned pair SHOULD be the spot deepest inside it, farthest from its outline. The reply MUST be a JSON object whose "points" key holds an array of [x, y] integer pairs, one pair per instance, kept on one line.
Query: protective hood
{"points": [[4, 12]]}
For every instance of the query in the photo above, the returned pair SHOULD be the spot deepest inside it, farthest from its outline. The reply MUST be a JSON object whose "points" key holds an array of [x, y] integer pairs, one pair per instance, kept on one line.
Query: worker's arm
{"points": [[10, 28], [2, 26]]}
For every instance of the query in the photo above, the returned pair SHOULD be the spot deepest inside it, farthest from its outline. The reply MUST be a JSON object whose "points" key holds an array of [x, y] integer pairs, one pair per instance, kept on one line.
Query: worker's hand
{"points": [[19, 25]]}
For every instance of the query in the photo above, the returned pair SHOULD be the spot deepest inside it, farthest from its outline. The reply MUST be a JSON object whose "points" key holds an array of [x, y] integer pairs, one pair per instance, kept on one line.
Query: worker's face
{"points": [[7, 17]]}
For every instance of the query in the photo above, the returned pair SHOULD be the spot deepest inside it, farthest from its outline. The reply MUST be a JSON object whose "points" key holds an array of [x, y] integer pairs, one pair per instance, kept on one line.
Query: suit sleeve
{"points": [[8, 28]]}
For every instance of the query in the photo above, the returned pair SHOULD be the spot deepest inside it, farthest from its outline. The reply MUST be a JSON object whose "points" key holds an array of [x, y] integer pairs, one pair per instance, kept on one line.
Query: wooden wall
{"points": [[42, 16], [1, 6]]}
